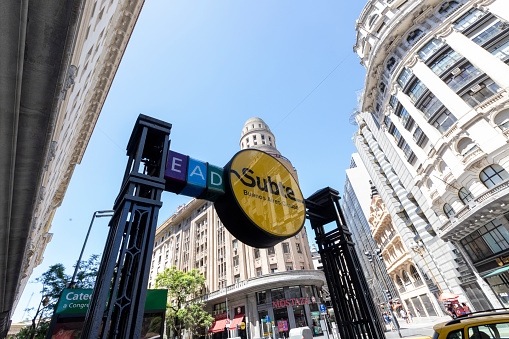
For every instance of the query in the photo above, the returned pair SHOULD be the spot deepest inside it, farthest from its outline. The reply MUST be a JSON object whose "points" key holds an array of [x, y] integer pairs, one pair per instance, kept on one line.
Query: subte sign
{"points": [[256, 197]]}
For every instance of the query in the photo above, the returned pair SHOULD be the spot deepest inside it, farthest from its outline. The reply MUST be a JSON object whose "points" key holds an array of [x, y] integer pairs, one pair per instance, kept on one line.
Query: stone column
{"points": [[454, 103], [431, 132], [500, 8], [483, 60]]}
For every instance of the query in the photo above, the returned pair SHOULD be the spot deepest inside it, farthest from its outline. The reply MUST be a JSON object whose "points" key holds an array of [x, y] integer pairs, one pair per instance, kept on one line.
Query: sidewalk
{"points": [[421, 328]]}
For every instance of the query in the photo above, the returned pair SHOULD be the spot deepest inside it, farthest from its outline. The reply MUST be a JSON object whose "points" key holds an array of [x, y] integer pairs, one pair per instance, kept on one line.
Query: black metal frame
{"points": [[353, 305], [118, 300]]}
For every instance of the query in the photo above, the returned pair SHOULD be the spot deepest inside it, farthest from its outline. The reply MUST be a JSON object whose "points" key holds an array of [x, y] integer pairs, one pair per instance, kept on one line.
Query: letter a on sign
{"points": [[196, 181]]}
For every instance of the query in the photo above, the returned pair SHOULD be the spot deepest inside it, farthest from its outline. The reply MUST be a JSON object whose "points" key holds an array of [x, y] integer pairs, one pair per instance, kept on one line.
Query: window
{"points": [[404, 116], [430, 49], [462, 76], [458, 334], [271, 250], [430, 105], [382, 87], [237, 278], [235, 244], [258, 271], [414, 273], [492, 175], [480, 92], [261, 297], [417, 89], [465, 146], [390, 64], [489, 33], [465, 195], [286, 247], [412, 36], [447, 7], [406, 278], [273, 268], [236, 261], [299, 250], [393, 101], [501, 50], [256, 253], [418, 133], [468, 19], [277, 294], [489, 331], [502, 120], [445, 62], [490, 239], [444, 121], [289, 267], [404, 77], [448, 210]]}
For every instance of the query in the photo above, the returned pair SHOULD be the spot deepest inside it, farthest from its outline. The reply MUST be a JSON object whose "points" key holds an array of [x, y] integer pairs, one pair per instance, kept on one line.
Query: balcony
{"points": [[478, 212], [409, 222]]}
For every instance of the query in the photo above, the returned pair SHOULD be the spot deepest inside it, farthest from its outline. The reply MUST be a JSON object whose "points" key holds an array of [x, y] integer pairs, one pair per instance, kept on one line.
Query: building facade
{"points": [[356, 202], [414, 293], [279, 282], [95, 48], [433, 135]]}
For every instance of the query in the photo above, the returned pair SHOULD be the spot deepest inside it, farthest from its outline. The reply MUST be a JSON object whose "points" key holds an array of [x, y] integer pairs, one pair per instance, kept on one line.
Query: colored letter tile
{"points": [[175, 173]]}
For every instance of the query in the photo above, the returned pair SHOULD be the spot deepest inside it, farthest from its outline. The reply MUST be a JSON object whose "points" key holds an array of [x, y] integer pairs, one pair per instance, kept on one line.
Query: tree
{"points": [[54, 280], [184, 310], [40, 333]]}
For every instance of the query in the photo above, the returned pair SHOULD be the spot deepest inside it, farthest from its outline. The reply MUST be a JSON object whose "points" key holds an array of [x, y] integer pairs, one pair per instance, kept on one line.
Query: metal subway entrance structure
{"points": [[353, 305], [116, 307]]}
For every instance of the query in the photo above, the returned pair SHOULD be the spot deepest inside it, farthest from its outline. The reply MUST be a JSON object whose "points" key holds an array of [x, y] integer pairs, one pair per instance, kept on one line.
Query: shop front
{"points": [[267, 305], [497, 278]]}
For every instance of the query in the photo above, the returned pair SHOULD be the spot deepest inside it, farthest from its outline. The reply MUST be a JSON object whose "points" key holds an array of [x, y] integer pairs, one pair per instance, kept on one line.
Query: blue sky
{"points": [[207, 67]]}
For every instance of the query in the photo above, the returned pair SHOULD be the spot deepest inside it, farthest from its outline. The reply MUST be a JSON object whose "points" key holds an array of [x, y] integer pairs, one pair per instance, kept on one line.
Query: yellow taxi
{"points": [[479, 325]]}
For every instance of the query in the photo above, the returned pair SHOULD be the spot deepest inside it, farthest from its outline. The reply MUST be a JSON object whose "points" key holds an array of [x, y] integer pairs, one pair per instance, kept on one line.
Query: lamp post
{"points": [[97, 214], [419, 249], [44, 302]]}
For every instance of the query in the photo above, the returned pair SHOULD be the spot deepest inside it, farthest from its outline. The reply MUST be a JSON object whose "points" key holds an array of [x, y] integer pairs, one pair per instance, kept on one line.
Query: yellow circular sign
{"points": [[267, 193], [242, 325]]}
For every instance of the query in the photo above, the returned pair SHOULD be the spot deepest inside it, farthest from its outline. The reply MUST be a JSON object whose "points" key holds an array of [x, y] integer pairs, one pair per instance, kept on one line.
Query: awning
{"points": [[218, 326], [236, 321], [500, 270]]}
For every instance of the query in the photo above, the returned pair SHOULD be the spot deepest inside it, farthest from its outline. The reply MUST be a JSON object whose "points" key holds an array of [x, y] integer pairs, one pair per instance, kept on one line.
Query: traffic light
{"points": [[379, 254], [368, 254], [388, 294]]}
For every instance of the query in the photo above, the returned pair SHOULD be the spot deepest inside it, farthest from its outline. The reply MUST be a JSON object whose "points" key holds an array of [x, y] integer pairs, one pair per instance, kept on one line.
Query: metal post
{"points": [[97, 214], [418, 250], [227, 314]]}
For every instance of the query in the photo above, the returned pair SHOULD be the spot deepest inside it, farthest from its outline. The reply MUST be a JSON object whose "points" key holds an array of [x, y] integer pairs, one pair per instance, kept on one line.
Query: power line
{"points": [[313, 90]]}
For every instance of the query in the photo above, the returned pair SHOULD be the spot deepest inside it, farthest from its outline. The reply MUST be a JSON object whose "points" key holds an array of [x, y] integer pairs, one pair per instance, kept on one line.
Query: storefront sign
{"points": [[291, 302], [502, 261], [262, 204]]}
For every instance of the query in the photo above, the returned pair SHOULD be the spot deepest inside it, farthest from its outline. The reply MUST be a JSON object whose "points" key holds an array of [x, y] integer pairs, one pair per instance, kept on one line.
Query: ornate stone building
{"points": [[95, 46], [433, 135], [253, 279], [413, 292]]}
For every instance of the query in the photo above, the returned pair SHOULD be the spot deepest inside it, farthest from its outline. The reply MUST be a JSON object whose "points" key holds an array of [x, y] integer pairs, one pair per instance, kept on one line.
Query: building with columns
{"points": [[433, 132], [279, 282]]}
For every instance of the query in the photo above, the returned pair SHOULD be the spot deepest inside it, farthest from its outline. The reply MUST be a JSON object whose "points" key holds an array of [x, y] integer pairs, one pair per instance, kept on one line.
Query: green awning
{"points": [[498, 271]]}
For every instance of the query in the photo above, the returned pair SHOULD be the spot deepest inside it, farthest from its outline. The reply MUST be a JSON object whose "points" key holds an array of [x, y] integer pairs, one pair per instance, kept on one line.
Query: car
{"points": [[491, 324]]}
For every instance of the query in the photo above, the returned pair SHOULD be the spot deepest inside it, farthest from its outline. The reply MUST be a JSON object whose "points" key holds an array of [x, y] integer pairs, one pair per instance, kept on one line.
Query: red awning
{"points": [[236, 321], [218, 326]]}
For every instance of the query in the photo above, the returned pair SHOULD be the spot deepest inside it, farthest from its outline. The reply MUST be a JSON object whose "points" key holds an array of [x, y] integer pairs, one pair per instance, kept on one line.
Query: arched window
{"points": [[406, 278], [465, 195], [465, 146], [382, 87], [414, 273], [447, 7], [391, 63], [413, 35], [399, 281], [448, 210], [492, 175], [502, 120], [429, 183], [373, 19]]}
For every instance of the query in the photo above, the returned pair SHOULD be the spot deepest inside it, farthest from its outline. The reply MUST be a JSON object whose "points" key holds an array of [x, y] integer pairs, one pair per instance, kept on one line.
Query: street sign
{"points": [[322, 308], [228, 321], [267, 319]]}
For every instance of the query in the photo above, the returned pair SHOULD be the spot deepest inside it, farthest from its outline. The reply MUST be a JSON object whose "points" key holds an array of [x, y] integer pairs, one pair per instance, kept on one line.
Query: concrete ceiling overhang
{"points": [[34, 46]]}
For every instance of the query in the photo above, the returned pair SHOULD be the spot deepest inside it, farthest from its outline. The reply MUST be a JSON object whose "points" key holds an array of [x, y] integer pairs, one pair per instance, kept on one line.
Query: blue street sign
{"points": [[322, 308], [267, 318]]}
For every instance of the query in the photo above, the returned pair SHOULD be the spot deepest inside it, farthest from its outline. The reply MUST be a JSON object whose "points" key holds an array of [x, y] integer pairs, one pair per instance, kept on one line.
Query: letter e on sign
{"points": [[176, 172]]}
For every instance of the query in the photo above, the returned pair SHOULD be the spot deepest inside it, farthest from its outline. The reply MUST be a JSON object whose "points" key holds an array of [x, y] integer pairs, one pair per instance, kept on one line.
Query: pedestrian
{"points": [[410, 316], [418, 311], [466, 308], [451, 312], [404, 315]]}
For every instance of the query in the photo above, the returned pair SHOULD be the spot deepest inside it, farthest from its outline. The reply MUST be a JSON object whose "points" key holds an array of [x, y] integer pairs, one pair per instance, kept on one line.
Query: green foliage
{"points": [[184, 310], [40, 333], [54, 280]]}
